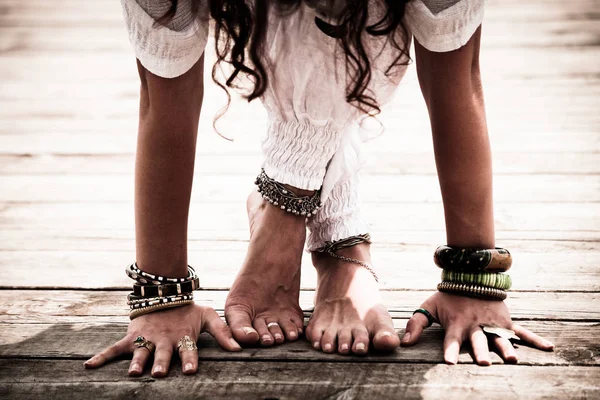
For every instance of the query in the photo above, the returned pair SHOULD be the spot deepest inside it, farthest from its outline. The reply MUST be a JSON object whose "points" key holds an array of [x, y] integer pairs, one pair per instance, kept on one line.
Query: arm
{"points": [[451, 85]]}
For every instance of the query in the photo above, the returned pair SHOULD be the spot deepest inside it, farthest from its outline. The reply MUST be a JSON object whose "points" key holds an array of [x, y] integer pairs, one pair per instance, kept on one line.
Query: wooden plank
{"points": [[234, 380], [565, 271], [89, 307], [403, 163], [383, 217], [235, 188], [81, 341]]}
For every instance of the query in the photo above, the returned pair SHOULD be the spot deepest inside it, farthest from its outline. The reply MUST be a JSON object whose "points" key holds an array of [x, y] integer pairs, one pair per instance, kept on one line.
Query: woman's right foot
{"points": [[262, 305]]}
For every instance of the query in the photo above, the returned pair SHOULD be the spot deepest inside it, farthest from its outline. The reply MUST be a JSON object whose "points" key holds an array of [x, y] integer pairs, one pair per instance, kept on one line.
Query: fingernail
{"points": [[278, 336], [247, 330], [134, 367], [234, 343], [406, 337], [188, 367], [327, 347], [316, 345], [451, 361], [360, 346], [293, 334], [344, 347], [158, 368], [548, 344]]}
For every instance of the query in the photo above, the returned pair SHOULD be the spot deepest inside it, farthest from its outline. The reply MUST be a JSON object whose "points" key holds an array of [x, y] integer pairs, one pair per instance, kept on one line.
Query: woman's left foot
{"points": [[349, 315]]}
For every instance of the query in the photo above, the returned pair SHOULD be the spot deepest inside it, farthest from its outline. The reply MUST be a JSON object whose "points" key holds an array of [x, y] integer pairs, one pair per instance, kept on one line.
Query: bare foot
{"points": [[349, 314], [263, 302]]}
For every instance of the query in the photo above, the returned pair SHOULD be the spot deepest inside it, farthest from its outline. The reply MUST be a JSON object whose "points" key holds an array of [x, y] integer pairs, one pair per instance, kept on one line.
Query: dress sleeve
{"points": [[170, 49], [443, 25]]}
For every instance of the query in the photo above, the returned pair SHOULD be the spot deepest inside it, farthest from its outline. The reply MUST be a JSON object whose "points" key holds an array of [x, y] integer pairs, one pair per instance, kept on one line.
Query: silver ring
{"points": [[270, 324]]}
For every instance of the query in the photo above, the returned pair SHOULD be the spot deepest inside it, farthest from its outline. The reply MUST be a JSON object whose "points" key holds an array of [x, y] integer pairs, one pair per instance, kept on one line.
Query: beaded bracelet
{"points": [[472, 260], [169, 289], [135, 273], [150, 309], [492, 280], [472, 290], [141, 303]]}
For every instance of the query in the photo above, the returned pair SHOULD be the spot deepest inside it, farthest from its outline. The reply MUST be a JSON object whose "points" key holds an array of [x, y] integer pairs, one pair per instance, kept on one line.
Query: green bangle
{"points": [[496, 281]]}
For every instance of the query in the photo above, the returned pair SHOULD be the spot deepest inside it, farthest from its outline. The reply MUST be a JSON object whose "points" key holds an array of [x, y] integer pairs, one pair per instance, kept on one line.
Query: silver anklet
{"points": [[331, 247], [278, 195]]}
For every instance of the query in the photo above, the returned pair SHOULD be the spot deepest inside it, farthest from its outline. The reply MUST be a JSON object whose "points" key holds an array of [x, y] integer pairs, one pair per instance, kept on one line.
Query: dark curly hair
{"points": [[240, 30]]}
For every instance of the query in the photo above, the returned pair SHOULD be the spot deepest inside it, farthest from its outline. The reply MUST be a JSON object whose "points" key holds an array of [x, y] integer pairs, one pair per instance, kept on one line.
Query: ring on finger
{"points": [[426, 313], [141, 341], [186, 343], [270, 324], [500, 332]]}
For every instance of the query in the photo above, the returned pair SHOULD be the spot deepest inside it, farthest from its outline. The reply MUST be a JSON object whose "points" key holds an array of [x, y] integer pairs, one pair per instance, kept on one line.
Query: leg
{"points": [[349, 312], [267, 287]]}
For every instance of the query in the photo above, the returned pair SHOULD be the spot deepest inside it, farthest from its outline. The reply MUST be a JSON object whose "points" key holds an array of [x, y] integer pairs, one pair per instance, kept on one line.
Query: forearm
{"points": [[454, 99], [169, 113]]}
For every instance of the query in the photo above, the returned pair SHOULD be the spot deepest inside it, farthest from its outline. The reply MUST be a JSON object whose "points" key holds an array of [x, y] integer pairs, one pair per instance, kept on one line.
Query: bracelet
{"points": [[472, 260], [150, 309], [492, 280], [169, 289], [278, 195], [472, 290], [145, 278], [141, 303]]}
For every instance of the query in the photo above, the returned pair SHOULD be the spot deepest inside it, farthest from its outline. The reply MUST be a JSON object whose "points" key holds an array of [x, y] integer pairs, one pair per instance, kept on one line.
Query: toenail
{"points": [[384, 334], [278, 336], [316, 345], [344, 347], [292, 334], [247, 330], [360, 346], [158, 368], [327, 347], [266, 338]]}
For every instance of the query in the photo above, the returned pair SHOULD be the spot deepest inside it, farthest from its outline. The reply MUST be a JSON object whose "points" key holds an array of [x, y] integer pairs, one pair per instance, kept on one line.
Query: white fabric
{"points": [[313, 138]]}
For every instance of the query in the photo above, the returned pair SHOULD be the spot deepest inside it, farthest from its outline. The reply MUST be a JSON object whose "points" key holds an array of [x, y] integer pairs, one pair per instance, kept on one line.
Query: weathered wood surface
{"points": [[68, 113], [287, 380]]}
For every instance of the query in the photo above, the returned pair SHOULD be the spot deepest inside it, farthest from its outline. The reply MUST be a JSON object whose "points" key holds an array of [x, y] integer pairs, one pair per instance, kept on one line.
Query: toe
{"points": [[344, 341], [329, 340], [240, 323], [361, 340], [314, 335], [385, 338], [289, 329], [266, 339], [275, 330]]}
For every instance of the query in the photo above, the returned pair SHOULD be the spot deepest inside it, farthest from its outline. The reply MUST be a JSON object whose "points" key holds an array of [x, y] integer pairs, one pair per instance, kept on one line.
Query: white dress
{"points": [[314, 135]]}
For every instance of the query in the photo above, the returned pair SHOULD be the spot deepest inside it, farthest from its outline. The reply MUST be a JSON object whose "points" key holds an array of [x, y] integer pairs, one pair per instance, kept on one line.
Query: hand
{"points": [[164, 329], [461, 318]]}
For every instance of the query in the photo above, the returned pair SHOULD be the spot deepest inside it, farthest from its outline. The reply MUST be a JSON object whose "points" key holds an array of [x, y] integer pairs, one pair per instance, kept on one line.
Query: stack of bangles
{"points": [[474, 272], [154, 293]]}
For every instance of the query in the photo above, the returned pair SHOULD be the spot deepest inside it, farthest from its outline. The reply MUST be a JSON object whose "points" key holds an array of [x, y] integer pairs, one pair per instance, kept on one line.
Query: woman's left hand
{"points": [[462, 317]]}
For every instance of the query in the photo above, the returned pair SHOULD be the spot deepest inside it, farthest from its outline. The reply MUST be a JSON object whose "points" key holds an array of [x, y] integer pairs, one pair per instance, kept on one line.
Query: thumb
{"points": [[414, 328]]}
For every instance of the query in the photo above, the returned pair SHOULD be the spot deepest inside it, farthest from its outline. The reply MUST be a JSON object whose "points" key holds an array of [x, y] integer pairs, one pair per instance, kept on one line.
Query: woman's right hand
{"points": [[164, 329]]}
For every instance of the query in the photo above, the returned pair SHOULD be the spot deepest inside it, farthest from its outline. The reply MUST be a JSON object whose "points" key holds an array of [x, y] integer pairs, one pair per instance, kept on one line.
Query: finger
{"points": [[479, 343], [241, 325], [452, 341], [123, 346], [162, 359], [138, 361], [290, 329], [189, 360], [214, 325], [329, 340], [527, 336], [361, 340], [265, 336], [344, 341], [506, 349]]}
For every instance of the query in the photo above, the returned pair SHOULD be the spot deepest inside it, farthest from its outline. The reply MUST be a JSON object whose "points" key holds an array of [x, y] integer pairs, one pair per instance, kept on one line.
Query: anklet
{"points": [[278, 195], [331, 247]]}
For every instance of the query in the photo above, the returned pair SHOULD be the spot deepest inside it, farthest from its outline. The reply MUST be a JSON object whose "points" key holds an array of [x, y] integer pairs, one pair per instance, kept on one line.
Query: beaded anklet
{"points": [[280, 196]]}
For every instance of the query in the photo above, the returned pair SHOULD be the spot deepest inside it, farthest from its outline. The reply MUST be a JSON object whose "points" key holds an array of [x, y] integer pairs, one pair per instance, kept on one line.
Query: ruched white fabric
{"points": [[313, 139]]}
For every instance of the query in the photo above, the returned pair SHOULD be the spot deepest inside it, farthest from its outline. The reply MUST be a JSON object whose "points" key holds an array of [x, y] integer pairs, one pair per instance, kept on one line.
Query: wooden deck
{"points": [[68, 116]]}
